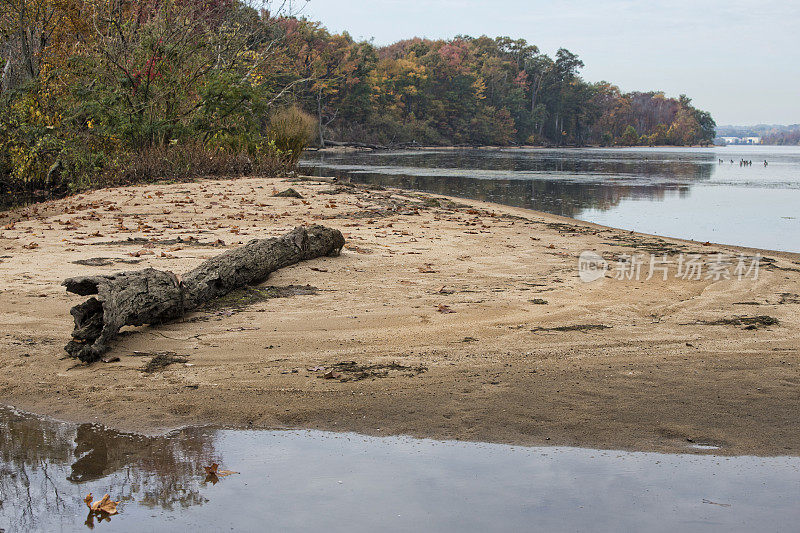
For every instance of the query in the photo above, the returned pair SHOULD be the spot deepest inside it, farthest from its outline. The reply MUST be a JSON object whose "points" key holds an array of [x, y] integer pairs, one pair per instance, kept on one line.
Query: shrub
{"points": [[291, 130]]}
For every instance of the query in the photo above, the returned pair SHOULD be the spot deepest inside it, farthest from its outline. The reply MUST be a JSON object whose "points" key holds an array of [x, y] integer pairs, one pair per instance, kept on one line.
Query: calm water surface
{"points": [[678, 192], [307, 480]]}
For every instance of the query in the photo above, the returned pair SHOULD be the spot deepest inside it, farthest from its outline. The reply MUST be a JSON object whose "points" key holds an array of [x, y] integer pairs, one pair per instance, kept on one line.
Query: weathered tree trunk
{"points": [[357, 145], [320, 123], [151, 296], [5, 78]]}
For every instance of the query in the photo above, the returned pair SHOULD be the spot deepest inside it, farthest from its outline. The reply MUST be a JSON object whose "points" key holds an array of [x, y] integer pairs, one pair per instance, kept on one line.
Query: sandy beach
{"points": [[442, 318]]}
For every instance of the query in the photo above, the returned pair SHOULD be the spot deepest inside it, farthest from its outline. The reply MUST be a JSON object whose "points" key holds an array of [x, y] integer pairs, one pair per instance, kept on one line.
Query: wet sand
{"points": [[442, 318]]}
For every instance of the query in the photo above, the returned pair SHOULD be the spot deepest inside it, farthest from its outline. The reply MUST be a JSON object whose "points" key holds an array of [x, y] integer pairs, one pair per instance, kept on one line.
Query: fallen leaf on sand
{"points": [[103, 505]]}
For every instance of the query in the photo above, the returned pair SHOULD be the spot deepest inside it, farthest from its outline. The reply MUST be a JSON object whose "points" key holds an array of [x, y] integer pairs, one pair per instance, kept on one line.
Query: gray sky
{"points": [[738, 59]]}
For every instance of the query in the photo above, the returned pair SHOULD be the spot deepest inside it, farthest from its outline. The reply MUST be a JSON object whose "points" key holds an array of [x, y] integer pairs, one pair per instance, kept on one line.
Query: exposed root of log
{"points": [[152, 296]]}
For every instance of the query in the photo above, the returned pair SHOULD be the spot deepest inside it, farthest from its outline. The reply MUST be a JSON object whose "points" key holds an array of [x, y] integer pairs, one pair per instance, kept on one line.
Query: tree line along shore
{"points": [[96, 93]]}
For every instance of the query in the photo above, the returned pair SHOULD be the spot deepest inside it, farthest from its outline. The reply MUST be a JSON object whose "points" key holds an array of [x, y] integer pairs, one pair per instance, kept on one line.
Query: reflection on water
{"points": [[307, 480], [677, 192], [48, 467], [555, 181]]}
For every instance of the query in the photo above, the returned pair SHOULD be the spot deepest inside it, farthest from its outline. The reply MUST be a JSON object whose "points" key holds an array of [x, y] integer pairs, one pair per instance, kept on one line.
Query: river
{"points": [[703, 194]]}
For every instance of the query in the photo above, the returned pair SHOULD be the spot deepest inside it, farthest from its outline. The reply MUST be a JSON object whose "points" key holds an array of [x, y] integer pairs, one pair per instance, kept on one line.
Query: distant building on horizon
{"points": [[742, 140]]}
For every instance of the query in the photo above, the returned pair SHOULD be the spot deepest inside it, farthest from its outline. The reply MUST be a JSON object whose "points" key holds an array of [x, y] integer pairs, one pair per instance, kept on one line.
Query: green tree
{"points": [[630, 137]]}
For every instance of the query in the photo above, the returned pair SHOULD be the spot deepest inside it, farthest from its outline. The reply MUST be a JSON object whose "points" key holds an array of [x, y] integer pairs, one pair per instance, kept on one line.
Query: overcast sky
{"points": [[738, 59]]}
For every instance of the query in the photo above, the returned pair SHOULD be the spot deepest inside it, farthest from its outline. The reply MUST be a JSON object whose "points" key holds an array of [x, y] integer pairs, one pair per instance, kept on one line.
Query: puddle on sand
{"points": [[309, 480]]}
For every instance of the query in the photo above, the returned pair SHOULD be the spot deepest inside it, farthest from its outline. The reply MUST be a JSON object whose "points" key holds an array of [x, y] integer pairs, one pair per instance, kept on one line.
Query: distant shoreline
{"points": [[335, 149]]}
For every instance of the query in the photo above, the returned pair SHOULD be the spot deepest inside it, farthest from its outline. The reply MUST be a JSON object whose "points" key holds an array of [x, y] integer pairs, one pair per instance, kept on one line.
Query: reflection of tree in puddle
{"points": [[48, 467]]}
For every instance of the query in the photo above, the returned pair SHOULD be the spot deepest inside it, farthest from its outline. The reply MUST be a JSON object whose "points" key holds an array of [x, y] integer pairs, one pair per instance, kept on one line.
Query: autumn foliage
{"points": [[484, 91], [118, 90]]}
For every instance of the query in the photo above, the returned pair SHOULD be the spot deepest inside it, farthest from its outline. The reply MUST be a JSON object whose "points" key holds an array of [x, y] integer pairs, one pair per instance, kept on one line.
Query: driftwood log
{"points": [[357, 145], [152, 296]]}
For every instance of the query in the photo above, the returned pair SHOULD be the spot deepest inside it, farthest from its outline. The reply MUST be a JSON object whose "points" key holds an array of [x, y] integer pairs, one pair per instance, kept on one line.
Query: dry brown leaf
{"points": [[358, 249], [142, 252], [103, 505], [214, 470]]}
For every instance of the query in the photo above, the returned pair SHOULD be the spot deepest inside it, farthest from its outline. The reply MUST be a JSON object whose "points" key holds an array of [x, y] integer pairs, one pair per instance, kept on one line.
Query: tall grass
{"points": [[190, 160], [291, 130]]}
